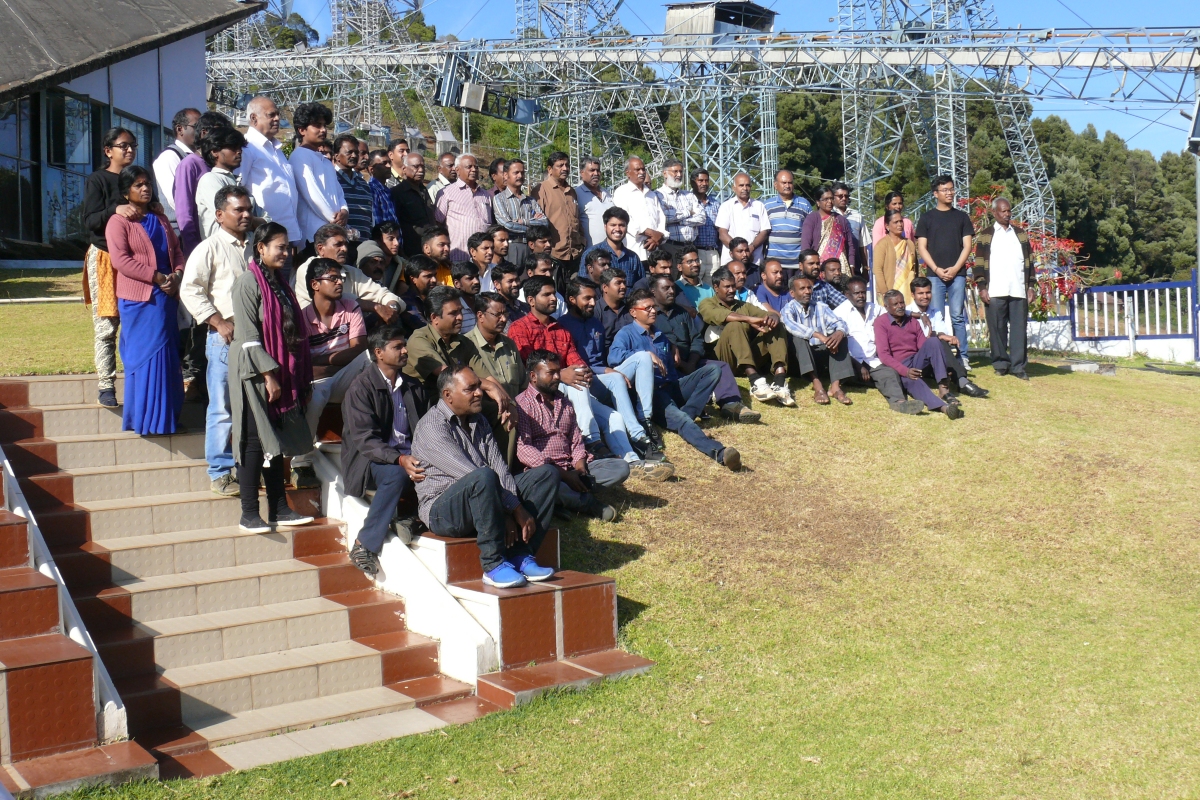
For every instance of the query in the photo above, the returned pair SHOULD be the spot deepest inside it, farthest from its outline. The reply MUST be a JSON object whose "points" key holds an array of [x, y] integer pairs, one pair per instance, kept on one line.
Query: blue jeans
{"points": [[390, 483], [957, 290], [617, 396], [678, 403], [639, 368], [218, 423], [597, 420]]}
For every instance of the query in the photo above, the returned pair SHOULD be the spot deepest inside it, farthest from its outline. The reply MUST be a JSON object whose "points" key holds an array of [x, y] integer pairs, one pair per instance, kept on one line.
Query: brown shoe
{"points": [[821, 398], [841, 398]]}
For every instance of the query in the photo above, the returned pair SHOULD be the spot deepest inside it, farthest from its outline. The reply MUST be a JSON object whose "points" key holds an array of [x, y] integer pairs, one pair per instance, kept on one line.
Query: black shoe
{"points": [[108, 398], [601, 511], [305, 477], [739, 413], [598, 450], [648, 451], [656, 437], [731, 459], [1019, 376], [364, 559], [252, 523], [971, 390], [1000, 370], [407, 529], [908, 407], [289, 519], [952, 399], [952, 410]]}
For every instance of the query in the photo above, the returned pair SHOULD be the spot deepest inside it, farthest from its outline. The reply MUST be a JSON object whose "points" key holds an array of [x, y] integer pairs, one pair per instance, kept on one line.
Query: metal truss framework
{"points": [[900, 76]]}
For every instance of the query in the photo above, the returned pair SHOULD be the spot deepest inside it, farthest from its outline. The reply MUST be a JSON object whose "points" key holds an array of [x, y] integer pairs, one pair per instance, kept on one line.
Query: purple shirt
{"points": [[896, 341], [191, 169]]}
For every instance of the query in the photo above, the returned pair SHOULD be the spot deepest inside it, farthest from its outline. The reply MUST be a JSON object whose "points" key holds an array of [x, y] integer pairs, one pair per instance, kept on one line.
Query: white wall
{"points": [[138, 89], [1055, 334]]}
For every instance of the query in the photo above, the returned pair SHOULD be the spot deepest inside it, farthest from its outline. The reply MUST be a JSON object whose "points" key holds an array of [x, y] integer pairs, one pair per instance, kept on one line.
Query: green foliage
{"points": [[810, 138], [286, 34]]}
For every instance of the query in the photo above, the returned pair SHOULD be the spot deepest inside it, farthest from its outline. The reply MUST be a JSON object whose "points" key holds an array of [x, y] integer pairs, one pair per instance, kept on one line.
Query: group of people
{"points": [[502, 353]]}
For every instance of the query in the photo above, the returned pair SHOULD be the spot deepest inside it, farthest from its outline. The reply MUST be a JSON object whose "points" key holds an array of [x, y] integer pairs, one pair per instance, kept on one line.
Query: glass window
{"points": [[70, 132], [18, 175], [10, 126], [63, 214]]}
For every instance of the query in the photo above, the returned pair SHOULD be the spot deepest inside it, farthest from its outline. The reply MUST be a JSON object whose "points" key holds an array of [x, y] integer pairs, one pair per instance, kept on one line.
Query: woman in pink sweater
{"points": [[149, 265]]}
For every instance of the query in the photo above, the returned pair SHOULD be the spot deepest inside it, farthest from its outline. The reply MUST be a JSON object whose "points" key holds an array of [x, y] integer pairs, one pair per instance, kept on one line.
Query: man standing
{"points": [[206, 292], [746, 338], [740, 216], [464, 206], [184, 126], [187, 178], [515, 211], [379, 413], [377, 171], [360, 215], [786, 213], [859, 316], [708, 243], [684, 214], [677, 400], [547, 434], [496, 357], [322, 201], [222, 151], [944, 243], [903, 346], [561, 205], [616, 245], [1007, 285], [468, 490], [266, 171], [593, 202], [397, 154], [820, 339], [414, 209], [647, 226], [447, 174]]}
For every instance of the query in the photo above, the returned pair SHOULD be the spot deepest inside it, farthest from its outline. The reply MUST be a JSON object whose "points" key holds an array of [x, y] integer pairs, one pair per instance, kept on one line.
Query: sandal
{"points": [[821, 398], [841, 398]]}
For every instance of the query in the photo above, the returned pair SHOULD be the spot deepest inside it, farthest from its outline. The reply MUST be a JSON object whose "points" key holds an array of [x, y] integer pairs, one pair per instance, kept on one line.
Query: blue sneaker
{"points": [[504, 576], [533, 571]]}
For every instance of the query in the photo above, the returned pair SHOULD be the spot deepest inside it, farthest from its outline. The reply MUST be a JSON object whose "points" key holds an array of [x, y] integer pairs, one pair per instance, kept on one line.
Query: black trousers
{"points": [[1006, 321], [819, 359], [251, 465], [474, 506]]}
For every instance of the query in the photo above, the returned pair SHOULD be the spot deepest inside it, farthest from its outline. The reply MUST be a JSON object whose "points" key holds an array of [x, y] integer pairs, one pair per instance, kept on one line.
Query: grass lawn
{"points": [[880, 606]]}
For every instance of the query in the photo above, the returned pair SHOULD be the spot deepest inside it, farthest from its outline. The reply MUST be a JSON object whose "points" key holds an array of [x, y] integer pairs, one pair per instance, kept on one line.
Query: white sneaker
{"points": [[966, 364], [761, 391], [784, 395]]}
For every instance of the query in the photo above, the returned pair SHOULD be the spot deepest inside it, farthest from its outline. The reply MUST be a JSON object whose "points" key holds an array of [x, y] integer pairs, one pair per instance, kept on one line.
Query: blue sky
{"points": [[468, 19]]}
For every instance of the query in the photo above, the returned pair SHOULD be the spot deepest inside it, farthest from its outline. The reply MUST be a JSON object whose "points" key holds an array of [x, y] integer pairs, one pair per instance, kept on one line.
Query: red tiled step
{"points": [[151, 703], [463, 710], [178, 741], [518, 686], [404, 655], [204, 764], [49, 695], [432, 689], [112, 764], [337, 574], [28, 603], [372, 612], [14, 540], [20, 424], [14, 393], [33, 457]]}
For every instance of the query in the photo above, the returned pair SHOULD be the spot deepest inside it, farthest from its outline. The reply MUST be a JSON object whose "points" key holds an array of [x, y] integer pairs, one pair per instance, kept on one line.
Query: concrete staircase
{"points": [[216, 639]]}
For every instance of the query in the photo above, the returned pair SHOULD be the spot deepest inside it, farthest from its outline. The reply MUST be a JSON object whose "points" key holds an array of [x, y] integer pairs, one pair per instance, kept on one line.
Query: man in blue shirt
{"points": [[787, 213], [772, 293], [612, 386], [677, 400], [616, 221]]}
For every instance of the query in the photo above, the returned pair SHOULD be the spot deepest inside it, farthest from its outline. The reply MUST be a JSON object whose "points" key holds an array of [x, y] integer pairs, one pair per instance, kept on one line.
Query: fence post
{"points": [[1195, 303]]}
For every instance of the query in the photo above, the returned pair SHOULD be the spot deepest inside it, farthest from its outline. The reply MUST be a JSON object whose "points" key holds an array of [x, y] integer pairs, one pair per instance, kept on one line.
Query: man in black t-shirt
{"points": [[944, 243]]}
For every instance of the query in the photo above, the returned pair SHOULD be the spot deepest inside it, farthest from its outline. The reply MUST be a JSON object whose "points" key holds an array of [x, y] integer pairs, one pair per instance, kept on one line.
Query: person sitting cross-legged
{"points": [[677, 400], [860, 314], [935, 325], [747, 338], [379, 414], [469, 491], [548, 434], [903, 346], [337, 339], [820, 340]]}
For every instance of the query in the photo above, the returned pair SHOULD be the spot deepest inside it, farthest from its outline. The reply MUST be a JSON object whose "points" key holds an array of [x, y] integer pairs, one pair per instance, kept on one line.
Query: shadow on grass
{"points": [[627, 611]]}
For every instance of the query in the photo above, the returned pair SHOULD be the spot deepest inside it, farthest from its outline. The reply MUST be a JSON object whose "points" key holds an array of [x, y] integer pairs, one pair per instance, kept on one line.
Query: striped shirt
{"points": [[786, 224], [465, 211], [359, 202], [382, 208], [516, 213], [706, 234], [806, 323]]}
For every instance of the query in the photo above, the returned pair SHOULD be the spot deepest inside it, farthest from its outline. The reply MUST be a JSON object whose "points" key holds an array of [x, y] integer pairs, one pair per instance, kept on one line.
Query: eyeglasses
{"points": [[126, 146], [645, 309], [334, 278]]}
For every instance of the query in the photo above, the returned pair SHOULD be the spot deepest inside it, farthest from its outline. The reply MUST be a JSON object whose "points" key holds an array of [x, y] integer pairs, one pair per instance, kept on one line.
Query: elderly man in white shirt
{"points": [[859, 315], [206, 292], [741, 217], [1007, 285], [683, 212], [593, 202], [647, 223], [266, 171]]}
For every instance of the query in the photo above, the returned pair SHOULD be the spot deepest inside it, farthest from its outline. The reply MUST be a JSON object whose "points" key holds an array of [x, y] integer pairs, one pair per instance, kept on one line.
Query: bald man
{"points": [[647, 222], [266, 171], [786, 213], [741, 217]]}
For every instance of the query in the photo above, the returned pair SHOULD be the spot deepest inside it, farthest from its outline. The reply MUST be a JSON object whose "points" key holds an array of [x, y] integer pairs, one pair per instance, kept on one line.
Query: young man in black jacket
{"points": [[379, 415]]}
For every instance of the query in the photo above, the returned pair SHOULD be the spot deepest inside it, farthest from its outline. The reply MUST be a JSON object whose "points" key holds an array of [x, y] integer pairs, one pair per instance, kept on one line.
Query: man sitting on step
{"points": [[379, 414], [337, 339], [468, 490]]}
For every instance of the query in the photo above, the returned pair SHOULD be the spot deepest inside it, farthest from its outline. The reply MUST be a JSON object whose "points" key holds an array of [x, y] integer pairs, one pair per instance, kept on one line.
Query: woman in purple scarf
{"points": [[270, 381]]}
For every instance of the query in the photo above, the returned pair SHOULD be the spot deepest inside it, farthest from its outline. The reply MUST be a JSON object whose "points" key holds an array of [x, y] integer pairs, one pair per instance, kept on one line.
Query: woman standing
{"points": [[892, 201], [895, 259], [101, 200], [829, 234], [149, 266], [270, 383]]}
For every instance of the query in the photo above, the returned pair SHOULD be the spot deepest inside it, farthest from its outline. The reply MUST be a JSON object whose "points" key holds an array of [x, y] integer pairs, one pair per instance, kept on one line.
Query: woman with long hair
{"points": [[101, 200], [895, 259], [829, 234], [270, 380], [149, 266]]}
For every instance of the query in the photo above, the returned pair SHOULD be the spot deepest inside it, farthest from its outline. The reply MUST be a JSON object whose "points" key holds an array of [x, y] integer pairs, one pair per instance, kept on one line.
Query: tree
{"points": [[286, 34]]}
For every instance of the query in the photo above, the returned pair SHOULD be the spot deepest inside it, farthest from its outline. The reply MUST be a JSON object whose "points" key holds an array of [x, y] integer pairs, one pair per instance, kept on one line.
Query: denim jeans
{"points": [[957, 291], [639, 368], [218, 423], [390, 483], [597, 420], [678, 403], [618, 393]]}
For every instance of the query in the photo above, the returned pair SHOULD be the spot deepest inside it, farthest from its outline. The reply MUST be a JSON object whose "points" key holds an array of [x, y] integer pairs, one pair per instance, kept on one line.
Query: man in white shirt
{"points": [[206, 292], [184, 125], [222, 151], [321, 198], [859, 316], [647, 223], [934, 323], [593, 202], [683, 213], [742, 217], [330, 242], [1007, 285], [266, 171]]}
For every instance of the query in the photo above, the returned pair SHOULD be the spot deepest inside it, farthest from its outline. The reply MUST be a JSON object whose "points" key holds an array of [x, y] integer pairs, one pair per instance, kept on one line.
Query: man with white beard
{"points": [[683, 212]]}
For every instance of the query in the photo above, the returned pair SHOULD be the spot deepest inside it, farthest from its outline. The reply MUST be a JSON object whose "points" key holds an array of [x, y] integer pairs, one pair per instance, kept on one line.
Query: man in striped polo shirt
{"points": [[787, 213]]}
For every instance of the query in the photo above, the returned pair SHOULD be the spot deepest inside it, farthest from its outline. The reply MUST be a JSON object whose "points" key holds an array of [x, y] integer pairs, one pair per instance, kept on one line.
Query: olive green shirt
{"points": [[428, 353], [501, 361]]}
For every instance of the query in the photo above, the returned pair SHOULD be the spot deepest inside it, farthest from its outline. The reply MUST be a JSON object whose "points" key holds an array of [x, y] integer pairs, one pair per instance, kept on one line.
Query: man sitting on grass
{"points": [[935, 325], [860, 314], [820, 340], [468, 490], [903, 346], [548, 434], [379, 414], [746, 338]]}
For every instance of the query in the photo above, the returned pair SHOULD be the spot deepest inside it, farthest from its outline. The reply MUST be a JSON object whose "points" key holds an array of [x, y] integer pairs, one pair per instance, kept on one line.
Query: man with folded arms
{"points": [[820, 340]]}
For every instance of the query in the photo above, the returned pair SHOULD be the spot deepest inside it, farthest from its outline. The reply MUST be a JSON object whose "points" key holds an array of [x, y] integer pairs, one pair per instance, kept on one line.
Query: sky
{"points": [[1157, 132]]}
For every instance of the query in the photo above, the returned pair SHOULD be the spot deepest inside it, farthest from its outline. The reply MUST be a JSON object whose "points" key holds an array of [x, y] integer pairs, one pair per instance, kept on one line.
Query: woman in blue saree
{"points": [[149, 265]]}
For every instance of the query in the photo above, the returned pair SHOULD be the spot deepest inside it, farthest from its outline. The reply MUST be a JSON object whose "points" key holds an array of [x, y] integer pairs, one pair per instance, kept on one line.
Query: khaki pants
{"points": [[741, 346], [104, 330]]}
